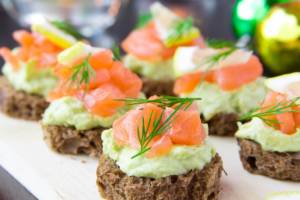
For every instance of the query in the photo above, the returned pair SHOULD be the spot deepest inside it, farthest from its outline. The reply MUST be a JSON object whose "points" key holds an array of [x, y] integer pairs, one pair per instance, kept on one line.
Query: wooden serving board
{"points": [[50, 176]]}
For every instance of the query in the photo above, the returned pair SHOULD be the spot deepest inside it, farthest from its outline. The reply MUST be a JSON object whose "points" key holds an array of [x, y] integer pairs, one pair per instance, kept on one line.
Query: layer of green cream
{"points": [[29, 79], [69, 111], [160, 70], [214, 100], [269, 138], [180, 160]]}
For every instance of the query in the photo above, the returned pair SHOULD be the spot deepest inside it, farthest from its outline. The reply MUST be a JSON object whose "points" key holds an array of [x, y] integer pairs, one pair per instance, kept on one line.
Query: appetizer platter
{"points": [[177, 117], [76, 116], [47, 175], [270, 141], [151, 46], [226, 92], [28, 74]]}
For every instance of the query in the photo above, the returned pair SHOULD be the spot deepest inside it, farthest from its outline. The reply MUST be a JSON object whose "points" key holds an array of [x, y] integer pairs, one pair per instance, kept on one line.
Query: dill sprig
{"points": [[162, 101], [116, 53], [67, 28], [83, 73], [265, 112], [218, 57], [144, 19], [225, 49], [220, 44], [180, 29], [155, 125]]}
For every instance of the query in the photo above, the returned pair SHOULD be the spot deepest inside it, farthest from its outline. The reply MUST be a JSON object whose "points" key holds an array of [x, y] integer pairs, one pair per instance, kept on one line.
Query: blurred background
{"points": [[94, 16], [269, 27], [108, 21]]}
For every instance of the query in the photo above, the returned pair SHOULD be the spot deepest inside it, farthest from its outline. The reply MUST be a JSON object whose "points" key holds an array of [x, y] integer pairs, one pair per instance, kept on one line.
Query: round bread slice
{"points": [[283, 166], [68, 140], [155, 87], [113, 184], [19, 104], [223, 124]]}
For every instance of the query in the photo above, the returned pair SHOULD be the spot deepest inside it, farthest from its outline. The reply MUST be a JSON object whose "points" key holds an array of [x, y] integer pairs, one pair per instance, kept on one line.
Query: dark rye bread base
{"points": [[203, 184], [283, 166], [68, 140], [223, 124], [154, 87], [19, 104]]}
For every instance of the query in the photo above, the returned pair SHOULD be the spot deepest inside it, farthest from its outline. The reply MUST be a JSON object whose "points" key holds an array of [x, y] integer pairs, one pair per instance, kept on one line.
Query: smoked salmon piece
{"points": [[125, 128], [149, 114], [270, 100], [47, 60], [33, 47], [227, 77], [23, 54], [102, 76], [288, 121], [108, 80], [145, 44], [101, 59], [297, 116], [234, 76], [125, 80], [162, 146], [61, 91], [187, 83], [101, 101], [24, 38], [185, 129], [62, 72], [10, 58]]}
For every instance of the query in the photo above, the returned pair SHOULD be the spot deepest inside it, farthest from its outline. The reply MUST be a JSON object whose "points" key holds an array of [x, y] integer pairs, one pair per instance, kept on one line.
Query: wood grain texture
{"points": [[48, 175]]}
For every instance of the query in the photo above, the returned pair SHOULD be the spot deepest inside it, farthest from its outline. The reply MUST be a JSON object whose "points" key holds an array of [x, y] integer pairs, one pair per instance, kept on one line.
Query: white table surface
{"points": [[50, 176]]}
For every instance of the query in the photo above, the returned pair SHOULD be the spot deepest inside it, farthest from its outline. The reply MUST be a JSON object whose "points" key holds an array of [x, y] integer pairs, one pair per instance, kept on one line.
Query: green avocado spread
{"points": [[214, 100], [160, 70], [30, 79], [269, 138], [180, 160], [68, 111]]}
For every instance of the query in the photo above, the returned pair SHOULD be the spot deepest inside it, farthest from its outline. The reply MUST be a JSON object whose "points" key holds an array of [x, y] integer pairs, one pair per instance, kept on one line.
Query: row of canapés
{"points": [[153, 148]]}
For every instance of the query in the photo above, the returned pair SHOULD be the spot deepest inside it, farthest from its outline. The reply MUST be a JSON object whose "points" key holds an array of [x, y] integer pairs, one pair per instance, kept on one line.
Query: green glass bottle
{"points": [[247, 13], [274, 28]]}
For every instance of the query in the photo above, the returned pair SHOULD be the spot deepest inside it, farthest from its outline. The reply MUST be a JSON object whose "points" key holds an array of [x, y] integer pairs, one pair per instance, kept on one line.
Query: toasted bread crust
{"points": [[68, 140], [155, 87], [19, 104], [113, 184], [283, 166], [223, 124]]}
